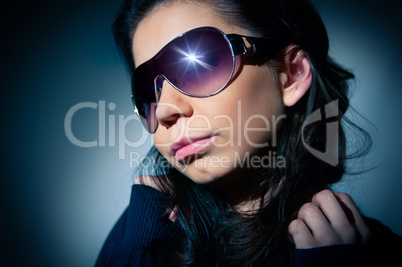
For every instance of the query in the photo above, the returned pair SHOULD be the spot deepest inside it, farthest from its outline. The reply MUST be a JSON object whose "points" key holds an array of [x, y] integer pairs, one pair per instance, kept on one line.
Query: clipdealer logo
{"points": [[331, 112], [331, 153]]}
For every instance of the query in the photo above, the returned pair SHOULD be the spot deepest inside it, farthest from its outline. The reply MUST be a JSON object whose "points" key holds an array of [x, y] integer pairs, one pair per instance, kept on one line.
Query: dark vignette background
{"points": [[59, 201]]}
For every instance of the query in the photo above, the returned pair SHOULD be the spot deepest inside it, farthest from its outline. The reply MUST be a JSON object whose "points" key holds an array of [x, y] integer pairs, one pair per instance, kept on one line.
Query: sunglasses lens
{"points": [[199, 63]]}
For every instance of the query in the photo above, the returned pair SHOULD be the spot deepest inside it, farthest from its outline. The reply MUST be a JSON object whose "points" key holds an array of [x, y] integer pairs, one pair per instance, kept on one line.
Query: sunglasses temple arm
{"points": [[266, 48], [263, 48], [238, 45]]}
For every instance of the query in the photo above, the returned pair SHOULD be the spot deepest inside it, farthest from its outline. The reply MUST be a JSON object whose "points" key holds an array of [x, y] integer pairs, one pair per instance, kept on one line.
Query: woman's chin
{"points": [[208, 175]]}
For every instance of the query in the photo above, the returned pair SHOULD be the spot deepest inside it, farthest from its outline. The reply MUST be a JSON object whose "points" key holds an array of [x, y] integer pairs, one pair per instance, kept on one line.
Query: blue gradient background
{"points": [[59, 201]]}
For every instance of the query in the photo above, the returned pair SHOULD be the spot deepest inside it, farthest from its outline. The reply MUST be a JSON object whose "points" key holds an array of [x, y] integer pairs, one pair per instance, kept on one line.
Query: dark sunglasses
{"points": [[198, 63]]}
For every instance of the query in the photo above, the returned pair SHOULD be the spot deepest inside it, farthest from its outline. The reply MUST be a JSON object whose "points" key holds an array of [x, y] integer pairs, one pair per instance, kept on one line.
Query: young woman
{"points": [[232, 93]]}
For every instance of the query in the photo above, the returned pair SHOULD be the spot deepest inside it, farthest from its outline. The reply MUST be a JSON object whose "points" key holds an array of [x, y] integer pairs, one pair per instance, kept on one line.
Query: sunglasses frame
{"points": [[262, 48]]}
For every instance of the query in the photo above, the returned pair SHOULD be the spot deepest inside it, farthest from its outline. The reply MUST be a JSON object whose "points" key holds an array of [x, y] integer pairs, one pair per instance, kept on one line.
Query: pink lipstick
{"points": [[188, 147]]}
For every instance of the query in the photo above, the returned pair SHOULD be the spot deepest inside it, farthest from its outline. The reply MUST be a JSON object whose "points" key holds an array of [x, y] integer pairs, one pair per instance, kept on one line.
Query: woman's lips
{"points": [[184, 149]]}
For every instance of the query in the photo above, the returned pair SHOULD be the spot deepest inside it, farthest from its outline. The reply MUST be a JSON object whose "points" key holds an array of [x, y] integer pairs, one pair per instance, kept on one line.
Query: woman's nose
{"points": [[172, 104]]}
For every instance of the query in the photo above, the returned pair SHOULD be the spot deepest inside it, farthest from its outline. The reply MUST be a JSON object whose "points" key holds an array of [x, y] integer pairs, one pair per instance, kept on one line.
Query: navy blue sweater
{"points": [[143, 222]]}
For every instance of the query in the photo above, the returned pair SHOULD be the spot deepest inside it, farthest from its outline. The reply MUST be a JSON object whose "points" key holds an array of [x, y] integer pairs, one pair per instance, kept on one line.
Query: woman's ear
{"points": [[296, 80]]}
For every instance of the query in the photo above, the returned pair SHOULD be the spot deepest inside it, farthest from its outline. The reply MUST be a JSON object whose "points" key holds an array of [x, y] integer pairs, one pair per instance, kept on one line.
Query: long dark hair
{"points": [[208, 231]]}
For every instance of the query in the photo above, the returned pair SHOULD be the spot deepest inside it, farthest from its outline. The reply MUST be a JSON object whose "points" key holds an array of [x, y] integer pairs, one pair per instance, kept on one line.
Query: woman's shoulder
{"points": [[145, 192], [380, 230], [144, 221], [384, 249], [383, 239]]}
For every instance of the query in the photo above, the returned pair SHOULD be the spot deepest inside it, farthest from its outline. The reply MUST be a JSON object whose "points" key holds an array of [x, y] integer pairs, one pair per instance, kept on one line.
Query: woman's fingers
{"points": [[173, 214], [301, 234], [358, 221], [337, 216], [329, 219], [319, 226]]}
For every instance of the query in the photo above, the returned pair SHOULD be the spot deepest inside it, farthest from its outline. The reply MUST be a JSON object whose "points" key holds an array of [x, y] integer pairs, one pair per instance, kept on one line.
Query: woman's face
{"points": [[209, 139]]}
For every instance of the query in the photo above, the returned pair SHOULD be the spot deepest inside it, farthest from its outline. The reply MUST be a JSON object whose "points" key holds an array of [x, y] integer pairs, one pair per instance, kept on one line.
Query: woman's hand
{"points": [[329, 219]]}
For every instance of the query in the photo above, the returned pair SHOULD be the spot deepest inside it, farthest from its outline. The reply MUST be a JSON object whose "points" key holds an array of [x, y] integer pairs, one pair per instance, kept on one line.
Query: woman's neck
{"points": [[242, 191]]}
